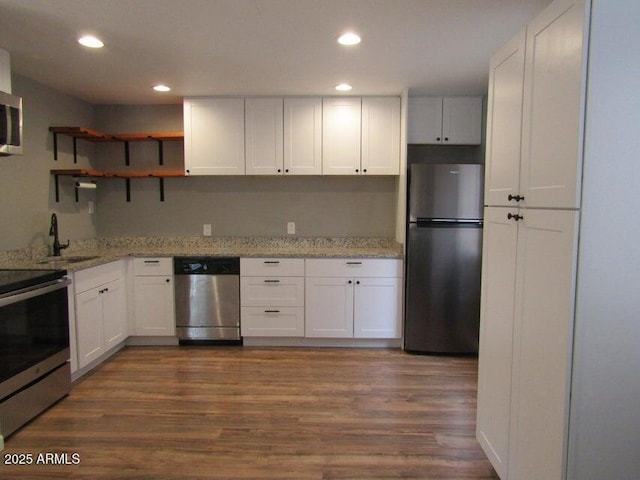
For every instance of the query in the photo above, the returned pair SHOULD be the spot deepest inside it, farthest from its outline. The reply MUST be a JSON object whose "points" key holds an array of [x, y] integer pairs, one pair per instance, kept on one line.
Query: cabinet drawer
{"points": [[96, 276], [272, 322], [264, 267], [353, 267], [152, 266], [269, 291]]}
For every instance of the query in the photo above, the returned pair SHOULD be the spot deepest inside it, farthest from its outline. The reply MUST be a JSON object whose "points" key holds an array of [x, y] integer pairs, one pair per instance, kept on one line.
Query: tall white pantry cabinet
{"points": [[558, 390]]}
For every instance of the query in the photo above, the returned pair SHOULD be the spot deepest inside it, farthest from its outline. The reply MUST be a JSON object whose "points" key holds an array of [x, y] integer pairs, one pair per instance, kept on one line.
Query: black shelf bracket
{"points": [[57, 185], [126, 153], [75, 149], [55, 146], [128, 187], [160, 149], [161, 188]]}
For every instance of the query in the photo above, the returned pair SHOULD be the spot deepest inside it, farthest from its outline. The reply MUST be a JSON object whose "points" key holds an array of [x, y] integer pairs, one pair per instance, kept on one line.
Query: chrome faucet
{"points": [[53, 232]]}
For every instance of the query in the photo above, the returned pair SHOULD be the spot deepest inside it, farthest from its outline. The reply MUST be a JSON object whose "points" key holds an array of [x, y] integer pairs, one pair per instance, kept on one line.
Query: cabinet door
{"points": [[114, 309], [553, 101], [462, 120], [329, 307], [341, 122], [303, 136], [504, 123], [424, 120], [499, 249], [214, 136], [377, 308], [263, 136], [154, 306], [89, 326], [543, 331], [381, 135]]}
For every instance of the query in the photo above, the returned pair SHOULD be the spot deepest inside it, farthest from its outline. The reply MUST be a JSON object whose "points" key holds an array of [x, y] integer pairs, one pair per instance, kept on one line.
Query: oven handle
{"points": [[30, 292]]}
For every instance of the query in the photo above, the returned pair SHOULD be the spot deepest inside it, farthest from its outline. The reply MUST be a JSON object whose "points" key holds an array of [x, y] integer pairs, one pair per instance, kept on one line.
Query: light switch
{"points": [[206, 229], [291, 228]]}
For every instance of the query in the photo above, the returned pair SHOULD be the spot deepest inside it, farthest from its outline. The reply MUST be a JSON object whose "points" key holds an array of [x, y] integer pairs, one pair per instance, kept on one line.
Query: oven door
{"points": [[34, 334]]}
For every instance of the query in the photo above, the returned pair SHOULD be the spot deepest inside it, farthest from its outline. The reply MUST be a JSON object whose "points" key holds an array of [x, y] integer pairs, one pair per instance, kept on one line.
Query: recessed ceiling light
{"points": [[349, 38], [343, 87], [90, 41], [162, 88]]}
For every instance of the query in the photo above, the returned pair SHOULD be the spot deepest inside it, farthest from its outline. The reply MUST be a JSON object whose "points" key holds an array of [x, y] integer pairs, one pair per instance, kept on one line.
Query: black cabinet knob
{"points": [[514, 216], [350, 282], [286, 170], [279, 170], [357, 170], [168, 280], [517, 198], [358, 282], [438, 139]]}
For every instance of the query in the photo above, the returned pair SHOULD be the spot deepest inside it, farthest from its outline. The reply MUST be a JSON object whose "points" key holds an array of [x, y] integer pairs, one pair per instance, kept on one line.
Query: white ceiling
{"points": [[257, 47]]}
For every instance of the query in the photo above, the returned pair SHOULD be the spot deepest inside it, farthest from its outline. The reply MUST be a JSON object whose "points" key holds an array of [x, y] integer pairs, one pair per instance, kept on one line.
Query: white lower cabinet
{"points": [[353, 298], [154, 305], [272, 297], [100, 310], [529, 261]]}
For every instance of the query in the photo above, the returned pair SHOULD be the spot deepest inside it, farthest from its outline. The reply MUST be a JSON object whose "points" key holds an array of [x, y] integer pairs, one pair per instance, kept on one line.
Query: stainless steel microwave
{"points": [[10, 124]]}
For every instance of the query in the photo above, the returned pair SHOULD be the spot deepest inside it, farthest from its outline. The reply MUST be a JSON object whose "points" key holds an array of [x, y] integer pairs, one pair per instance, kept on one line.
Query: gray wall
{"points": [[235, 206], [26, 187], [604, 439]]}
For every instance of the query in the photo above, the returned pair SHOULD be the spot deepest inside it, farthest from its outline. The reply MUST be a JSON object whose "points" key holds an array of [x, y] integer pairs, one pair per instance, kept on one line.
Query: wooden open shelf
{"points": [[95, 136], [81, 172]]}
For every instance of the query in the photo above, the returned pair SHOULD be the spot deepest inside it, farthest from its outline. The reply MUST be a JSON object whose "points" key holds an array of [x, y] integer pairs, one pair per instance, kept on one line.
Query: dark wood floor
{"points": [[234, 413]]}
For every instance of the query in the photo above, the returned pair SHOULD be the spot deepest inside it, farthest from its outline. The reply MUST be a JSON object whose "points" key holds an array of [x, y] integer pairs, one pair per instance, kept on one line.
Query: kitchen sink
{"points": [[71, 259]]}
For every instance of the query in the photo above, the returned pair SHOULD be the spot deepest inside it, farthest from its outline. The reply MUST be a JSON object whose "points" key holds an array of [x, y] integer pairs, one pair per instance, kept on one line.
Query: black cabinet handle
{"points": [[514, 216], [354, 263], [357, 170], [364, 170], [279, 170], [438, 139], [272, 311], [350, 282], [286, 170], [446, 139], [152, 261], [272, 281], [271, 262], [358, 282], [168, 280], [517, 198]]}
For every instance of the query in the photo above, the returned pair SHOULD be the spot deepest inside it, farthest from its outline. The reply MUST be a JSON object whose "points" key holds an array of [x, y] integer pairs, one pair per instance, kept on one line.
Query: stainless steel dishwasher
{"points": [[207, 292]]}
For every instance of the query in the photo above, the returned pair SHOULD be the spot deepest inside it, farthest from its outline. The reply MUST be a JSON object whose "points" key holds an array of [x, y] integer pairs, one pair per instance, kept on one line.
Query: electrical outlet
{"points": [[206, 229], [291, 228]]}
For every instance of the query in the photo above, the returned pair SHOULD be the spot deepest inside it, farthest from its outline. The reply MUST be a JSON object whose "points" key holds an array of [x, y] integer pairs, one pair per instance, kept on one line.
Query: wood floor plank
{"points": [[262, 413]]}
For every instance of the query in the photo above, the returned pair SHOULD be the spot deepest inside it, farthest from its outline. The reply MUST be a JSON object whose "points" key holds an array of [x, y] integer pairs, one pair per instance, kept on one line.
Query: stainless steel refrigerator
{"points": [[444, 249]]}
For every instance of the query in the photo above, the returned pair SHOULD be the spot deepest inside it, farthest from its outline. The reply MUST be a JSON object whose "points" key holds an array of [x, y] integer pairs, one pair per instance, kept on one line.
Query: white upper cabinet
{"points": [[504, 123], [302, 136], [292, 136], [553, 101], [263, 119], [380, 135], [462, 120], [341, 132], [214, 136], [424, 124], [448, 121]]}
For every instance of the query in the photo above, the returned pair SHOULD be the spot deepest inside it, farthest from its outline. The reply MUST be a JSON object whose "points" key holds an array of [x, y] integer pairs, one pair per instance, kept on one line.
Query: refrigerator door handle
{"points": [[449, 222]]}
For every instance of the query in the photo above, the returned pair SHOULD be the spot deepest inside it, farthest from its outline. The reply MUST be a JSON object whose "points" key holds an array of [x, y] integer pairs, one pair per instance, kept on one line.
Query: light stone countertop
{"points": [[110, 249]]}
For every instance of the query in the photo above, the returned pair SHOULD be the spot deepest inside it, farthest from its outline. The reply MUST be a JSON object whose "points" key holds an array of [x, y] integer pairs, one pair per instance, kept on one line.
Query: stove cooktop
{"points": [[11, 280]]}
